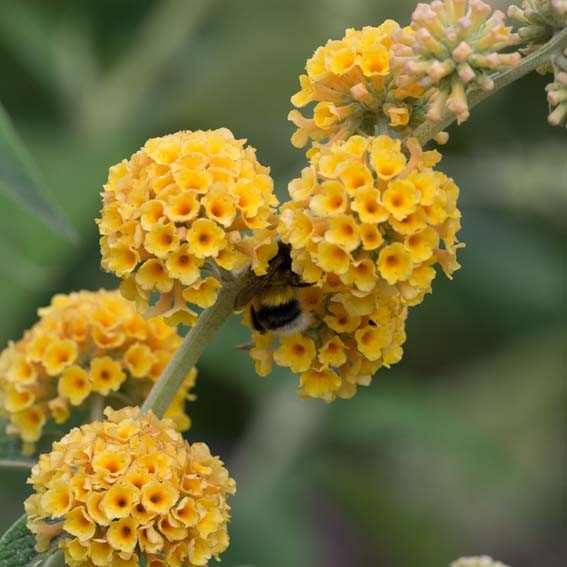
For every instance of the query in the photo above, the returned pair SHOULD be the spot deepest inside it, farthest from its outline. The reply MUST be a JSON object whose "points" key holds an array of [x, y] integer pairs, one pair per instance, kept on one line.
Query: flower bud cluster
{"points": [[127, 488], [451, 49], [348, 79], [557, 97], [367, 222], [84, 343], [177, 211], [539, 20]]}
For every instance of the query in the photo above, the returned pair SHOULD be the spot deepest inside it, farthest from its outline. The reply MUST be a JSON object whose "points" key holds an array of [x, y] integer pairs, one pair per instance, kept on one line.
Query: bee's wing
{"points": [[247, 294], [258, 283]]}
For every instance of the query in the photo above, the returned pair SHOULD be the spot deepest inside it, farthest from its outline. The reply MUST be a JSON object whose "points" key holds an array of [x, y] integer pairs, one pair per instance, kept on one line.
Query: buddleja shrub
{"points": [[326, 280]]}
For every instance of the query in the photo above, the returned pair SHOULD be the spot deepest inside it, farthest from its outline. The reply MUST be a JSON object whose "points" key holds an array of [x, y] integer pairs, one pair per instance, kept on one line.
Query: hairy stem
{"points": [[193, 345], [428, 130], [96, 408], [17, 464], [55, 560]]}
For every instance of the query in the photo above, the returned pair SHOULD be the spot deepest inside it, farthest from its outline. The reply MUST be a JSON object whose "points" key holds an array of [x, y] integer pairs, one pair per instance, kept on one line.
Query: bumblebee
{"points": [[273, 301]]}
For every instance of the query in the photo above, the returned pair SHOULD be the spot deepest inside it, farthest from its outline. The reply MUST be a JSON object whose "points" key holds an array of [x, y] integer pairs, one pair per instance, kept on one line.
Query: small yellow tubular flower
{"points": [[349, 81], [362, 274], [57, 500], [86, 343], [161, 240], [158, 497], [118, 501], [371, 340], [451, 49], [332, 258], [121, 535], [369, 254], [178, 209], [387, 163], [368, 205], [105, 375], [16, 400], [401, 198], [331, 199], [181, 208], [261, 354], [394, 263], [204, 293], [370, 236], [153, 276], [58, 355], [205, 238], [138, 360], [332, 353], [177, 515], [74, 385], [220, 205], [296, 352], [343, 232], [322, 384], [28, 424], [184, 266], [77, 523], [421, 244]]}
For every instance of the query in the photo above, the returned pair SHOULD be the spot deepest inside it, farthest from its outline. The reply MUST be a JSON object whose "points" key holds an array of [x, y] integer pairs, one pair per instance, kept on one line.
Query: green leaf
{"points": [[17, 549], [19, 179]]}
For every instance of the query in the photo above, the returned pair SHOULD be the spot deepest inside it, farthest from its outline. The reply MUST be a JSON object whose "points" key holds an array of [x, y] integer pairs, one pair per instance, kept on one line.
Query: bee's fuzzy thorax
{"points": [[276, 296]]}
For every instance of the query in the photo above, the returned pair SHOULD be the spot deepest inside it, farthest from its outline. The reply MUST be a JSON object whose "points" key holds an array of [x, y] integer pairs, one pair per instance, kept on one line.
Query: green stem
{"points": [[17, 464], [428, 130], [96, 410], [55, 560], [193, 345]]}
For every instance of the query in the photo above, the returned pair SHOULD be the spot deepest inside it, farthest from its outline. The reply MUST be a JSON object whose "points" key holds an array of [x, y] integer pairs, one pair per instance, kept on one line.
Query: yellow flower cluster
{"points": [[129, 487], [348, 79], [176, 211], [482, 561], [367, 222], [84, 343], [451, 48], [539, 20]]}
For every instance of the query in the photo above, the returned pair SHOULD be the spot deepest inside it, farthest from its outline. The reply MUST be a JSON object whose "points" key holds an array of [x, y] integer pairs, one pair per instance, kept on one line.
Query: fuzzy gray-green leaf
{"points": [[19, 179]]}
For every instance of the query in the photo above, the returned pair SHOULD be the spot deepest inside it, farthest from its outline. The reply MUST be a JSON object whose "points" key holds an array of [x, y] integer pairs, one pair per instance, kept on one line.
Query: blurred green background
{"points": [[456, 450]]}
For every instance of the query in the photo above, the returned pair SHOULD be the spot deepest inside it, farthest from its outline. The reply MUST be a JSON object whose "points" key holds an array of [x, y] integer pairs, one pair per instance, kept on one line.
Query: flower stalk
{"points": [[194, 344], [429, 130]]}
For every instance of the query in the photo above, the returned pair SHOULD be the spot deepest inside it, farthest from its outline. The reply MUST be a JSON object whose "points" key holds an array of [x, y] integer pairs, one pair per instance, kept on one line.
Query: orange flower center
{"points": [[392, 261]]}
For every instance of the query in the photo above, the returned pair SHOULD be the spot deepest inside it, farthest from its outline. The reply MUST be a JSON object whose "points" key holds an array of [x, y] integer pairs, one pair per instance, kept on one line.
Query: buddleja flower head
{"points": [[483, 561], [367, 222], [84, 343], [451, 48], [539, 20], [178, 210], [349, 81], [127, 488]]}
